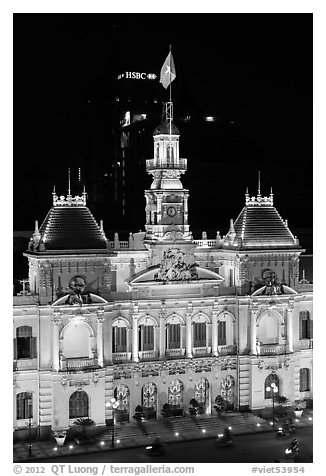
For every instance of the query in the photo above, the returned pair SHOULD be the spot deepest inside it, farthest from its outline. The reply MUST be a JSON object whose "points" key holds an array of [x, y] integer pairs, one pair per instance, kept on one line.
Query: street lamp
{"points": [[274, 389], [30, 425], [112, 405]]}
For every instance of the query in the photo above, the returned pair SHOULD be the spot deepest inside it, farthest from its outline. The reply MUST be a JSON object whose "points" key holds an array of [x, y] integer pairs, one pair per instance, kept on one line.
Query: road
{"points": [[251, 448]]}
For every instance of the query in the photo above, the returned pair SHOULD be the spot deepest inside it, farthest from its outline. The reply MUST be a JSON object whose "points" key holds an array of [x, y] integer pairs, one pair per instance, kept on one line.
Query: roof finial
{"points": [[258, 182], [68, 180], [231, 226]]}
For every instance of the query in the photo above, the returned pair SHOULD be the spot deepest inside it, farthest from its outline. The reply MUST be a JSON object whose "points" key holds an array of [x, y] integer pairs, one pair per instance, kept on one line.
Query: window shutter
{"points": [[300, 326], [34, 347], [311, 322], [15, 349]]}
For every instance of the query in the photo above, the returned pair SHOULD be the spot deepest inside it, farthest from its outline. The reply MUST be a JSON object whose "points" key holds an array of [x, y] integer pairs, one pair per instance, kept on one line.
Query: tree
{"points": [[139, 412], [193, 406], [84, 423]]}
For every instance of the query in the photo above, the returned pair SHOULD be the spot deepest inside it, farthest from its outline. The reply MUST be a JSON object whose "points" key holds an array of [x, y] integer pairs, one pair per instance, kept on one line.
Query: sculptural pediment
{"points": [[79, 300], [272, 291]]}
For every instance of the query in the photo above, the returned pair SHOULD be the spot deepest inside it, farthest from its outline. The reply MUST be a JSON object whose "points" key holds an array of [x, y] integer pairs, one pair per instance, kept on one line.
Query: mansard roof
{"points": [[69, 225], [260, 226], [164, 128]]}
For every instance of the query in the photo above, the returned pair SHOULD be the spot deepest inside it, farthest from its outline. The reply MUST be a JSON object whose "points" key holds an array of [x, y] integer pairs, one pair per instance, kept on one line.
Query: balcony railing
{"points": [[205, 243], [148, 354], [73, 365], [304, 344], [121, 356], [175, 352], [166, 164], [25, 364], [227, 349], [199, 351], [272, 349]]}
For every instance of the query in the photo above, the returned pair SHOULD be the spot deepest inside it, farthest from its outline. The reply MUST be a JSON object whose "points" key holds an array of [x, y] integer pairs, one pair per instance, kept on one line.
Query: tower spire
{"points": [[69, 181], [258, 182]]}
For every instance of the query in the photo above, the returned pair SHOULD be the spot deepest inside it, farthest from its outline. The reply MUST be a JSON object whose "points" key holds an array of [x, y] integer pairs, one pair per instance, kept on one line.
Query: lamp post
{"points": [[112, 405], [274, 389], [30, 424]]}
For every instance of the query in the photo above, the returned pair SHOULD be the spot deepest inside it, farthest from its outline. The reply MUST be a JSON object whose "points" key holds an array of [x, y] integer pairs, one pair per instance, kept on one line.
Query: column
{"points": [[253, 322], [214, 334], [289, 329], [162, 338], [208, 327], [55, 342], [188, 336], [99, 337], [135, 357]]}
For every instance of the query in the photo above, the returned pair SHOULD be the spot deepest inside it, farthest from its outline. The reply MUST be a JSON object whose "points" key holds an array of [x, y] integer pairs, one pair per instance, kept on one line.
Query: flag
{"points": [[168, 72]]}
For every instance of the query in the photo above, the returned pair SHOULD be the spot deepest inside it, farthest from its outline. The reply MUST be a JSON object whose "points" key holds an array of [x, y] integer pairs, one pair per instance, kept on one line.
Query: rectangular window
{"points": [[119, 339], [174, 336], [199, 334], [222, 333], [304, 380], [148, 337], [24, 406]]}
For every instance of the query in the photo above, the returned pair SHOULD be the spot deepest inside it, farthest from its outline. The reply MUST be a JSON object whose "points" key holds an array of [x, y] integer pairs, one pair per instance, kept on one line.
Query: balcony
{"points": [[227, 349], [272, 349], [180, 164], [74, 365], [118, 357], [201, 351], [175, 353], [148, 354]]}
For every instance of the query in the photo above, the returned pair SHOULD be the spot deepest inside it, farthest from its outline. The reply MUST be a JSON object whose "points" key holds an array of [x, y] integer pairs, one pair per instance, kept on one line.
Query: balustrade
{"points": [[198, 351], [272, 349], [72, 364], [227, 349], [121, 356], [175, 352], [148, 354]]}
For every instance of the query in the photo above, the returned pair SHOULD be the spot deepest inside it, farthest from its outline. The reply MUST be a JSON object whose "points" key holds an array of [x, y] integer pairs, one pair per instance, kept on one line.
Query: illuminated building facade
{"points": [[160, 318]]}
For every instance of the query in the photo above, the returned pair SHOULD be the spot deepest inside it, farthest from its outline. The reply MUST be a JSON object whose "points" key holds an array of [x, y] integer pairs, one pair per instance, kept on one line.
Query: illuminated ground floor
{"points": [[53, 400]]}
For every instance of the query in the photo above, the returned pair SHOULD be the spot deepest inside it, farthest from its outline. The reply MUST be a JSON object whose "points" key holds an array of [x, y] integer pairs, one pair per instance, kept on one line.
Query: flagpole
{"points": [[170, 101]]}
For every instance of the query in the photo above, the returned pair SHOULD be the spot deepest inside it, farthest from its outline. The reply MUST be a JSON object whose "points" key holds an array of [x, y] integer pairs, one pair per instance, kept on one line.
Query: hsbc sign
{"points": [[136, 75]]}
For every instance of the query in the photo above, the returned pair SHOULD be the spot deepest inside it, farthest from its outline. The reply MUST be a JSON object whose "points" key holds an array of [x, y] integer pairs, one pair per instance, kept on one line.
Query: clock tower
{"points": [[167, 201]]}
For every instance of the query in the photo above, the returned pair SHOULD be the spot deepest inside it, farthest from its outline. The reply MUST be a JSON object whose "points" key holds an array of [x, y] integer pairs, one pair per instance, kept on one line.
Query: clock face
{"points": [[171, 211]]}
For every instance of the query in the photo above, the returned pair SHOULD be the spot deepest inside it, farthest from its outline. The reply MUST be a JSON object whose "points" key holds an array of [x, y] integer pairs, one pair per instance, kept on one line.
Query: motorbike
{"points": [[291, 453], [223, 440], [155, 450], [285, 430]]}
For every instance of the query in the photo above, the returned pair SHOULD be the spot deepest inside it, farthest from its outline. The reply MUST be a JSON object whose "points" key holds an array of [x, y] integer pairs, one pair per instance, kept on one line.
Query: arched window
{"points": [[271, 381], [305, 325], [169, 152], [304, 380], [24, 405], [78, 404], [157, 151], [24, 344], [175, 393]]}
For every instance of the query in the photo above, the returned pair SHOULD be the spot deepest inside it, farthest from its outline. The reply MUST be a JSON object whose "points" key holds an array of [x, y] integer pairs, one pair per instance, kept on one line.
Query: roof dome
{"points": [[164, 128]]}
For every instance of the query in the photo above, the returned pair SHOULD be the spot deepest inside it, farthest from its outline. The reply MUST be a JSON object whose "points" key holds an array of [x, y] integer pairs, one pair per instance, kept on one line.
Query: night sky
{"points": [[253, 71]]}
